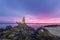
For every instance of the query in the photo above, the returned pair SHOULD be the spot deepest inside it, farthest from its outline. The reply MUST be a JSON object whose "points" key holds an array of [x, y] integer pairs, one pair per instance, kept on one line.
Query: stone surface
{"points": [[24, 32]]}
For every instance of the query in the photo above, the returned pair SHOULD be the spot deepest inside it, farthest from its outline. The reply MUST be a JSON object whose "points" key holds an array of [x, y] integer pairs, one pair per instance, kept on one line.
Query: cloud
{"points": [[34, 6], [9, 19], [41, 5], [35, 9], [29, 19]]}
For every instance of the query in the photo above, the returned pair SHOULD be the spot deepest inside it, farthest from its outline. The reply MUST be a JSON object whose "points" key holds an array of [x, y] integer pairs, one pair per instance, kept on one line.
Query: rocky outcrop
{"points": [[44, 34], [24, 32]]}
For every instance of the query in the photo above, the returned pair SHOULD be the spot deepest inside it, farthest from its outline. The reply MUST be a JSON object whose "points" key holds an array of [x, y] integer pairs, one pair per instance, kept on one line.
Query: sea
{"points": [[53, 30]]}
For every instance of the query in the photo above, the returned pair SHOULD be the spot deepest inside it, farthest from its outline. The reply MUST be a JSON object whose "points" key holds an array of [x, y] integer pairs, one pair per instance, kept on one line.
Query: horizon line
{"points": [[31, 23]]}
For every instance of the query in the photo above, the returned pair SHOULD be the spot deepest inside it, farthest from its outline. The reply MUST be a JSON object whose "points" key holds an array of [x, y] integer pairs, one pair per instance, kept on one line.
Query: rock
{"points": [[44, 34], [24, 32]]}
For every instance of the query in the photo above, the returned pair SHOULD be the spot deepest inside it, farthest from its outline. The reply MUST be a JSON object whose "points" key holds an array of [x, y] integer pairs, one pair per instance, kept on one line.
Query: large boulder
{"points": [[44, 34]]}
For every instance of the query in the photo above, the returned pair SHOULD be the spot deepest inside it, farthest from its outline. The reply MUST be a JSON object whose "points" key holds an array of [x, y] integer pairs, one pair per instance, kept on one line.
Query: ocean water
{"points": [[53, 30], [4, 25]]}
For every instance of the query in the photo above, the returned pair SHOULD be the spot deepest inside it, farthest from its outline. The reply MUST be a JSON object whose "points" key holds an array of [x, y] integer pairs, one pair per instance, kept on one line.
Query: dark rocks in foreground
{"points": [[24, 32]]}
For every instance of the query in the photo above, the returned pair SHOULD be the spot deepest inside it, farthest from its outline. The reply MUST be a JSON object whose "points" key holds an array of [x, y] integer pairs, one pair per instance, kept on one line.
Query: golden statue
{"points": [[23, 21]]}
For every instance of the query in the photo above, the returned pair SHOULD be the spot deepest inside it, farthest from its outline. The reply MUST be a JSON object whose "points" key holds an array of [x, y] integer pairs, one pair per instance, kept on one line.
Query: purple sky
{"points": [[46, 11]]}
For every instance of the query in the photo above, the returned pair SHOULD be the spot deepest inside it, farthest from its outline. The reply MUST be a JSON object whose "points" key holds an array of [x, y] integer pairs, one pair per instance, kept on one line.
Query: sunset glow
{"points": [[35, 11], [31, 19]]}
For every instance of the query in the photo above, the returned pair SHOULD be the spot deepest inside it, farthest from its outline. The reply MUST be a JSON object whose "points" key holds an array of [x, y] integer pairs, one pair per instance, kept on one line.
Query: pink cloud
{"points": [[31, 19]]}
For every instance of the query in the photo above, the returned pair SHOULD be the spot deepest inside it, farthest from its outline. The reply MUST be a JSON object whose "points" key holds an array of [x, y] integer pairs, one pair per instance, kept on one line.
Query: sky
{"points": [[35, 11]]}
